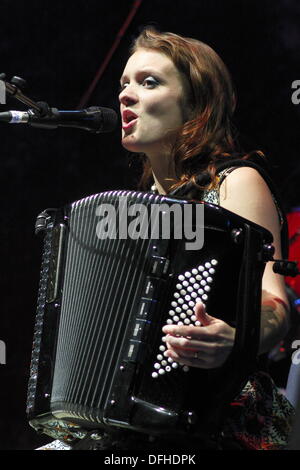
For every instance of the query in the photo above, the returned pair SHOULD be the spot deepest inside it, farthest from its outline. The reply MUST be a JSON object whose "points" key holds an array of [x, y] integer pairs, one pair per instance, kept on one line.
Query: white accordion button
{"points": [[192, 287]]}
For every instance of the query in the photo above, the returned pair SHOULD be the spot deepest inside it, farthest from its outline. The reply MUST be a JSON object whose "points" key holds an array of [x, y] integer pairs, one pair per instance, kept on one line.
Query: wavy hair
{"points": [[207, 137]]}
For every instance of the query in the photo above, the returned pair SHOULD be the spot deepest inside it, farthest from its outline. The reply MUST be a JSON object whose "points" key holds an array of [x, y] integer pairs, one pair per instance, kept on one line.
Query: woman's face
{"points": [[152, 102]]}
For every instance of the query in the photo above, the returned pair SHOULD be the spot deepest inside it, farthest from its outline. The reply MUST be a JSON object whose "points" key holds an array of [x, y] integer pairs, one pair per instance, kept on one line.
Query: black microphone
{"points": [[93, 119]]}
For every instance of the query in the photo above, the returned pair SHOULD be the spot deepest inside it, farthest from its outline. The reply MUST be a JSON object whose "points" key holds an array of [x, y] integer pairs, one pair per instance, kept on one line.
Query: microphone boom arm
{"points": [[16, 93]]}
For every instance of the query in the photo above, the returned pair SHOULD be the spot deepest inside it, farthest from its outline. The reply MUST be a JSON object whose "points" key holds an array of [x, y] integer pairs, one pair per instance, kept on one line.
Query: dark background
{"points": [[58, 47]]}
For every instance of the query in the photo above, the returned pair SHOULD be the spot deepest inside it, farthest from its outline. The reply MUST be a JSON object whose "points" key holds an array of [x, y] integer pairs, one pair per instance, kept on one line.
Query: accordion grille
{"points": [[102, 280]]}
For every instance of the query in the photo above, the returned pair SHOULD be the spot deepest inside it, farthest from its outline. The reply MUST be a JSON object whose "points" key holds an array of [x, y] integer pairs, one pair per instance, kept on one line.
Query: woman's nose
{"points": [[128, 97]]}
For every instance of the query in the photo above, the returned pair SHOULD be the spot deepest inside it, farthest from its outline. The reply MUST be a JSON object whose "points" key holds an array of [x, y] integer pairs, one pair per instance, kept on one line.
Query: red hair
{"points": [[207, 136]]}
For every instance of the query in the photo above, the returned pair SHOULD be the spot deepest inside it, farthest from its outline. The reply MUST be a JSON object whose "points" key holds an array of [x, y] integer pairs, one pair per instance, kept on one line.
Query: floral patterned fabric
{"points": [[261, 417]]}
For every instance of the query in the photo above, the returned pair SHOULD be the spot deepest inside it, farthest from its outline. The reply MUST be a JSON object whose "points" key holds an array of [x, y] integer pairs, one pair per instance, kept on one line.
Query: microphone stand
{"points": [[40, 108], [93, 119]]}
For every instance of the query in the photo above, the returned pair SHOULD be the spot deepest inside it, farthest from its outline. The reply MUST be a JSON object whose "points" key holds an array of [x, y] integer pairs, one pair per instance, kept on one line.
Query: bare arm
{"points": [[208, 346], [245, 192]]}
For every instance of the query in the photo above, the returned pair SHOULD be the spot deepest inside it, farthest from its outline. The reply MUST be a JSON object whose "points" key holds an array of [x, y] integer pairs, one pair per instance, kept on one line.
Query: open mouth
{"points": [[129, 118]]}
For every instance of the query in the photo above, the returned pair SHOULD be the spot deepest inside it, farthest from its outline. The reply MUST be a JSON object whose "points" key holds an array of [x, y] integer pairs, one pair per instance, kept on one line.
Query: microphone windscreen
{"points": [[108, 118]]}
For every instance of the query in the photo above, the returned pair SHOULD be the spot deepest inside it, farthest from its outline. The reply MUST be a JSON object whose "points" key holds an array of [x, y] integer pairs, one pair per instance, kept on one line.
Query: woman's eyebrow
{"points": [[145, 71], [150, 71], [123, 77]]}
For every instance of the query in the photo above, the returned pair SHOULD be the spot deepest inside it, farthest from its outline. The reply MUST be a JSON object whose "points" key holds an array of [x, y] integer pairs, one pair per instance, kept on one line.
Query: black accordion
{"points": [[116, 267]]}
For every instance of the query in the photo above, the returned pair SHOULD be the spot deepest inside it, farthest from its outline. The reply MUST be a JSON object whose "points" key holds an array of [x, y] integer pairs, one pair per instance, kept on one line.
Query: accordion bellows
{"points": [[109, 281]]}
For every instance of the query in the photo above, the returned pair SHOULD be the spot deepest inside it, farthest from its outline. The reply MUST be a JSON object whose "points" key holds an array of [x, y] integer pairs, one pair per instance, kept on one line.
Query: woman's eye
{"points": [[150, 82]]}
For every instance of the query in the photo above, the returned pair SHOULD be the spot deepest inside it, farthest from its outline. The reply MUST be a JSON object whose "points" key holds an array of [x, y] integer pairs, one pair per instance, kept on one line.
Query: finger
{"points": [[190, 332], [189, 344], [192, 361], [202, 316], [188, 353], [203, 359]]}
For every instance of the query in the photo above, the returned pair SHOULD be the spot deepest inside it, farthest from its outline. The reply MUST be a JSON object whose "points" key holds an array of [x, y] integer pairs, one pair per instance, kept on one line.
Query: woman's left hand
{"points": [[206, 346]]}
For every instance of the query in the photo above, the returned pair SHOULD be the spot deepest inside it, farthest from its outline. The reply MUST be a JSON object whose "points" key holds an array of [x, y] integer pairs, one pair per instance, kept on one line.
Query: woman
{"points": [[177, 102]]}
